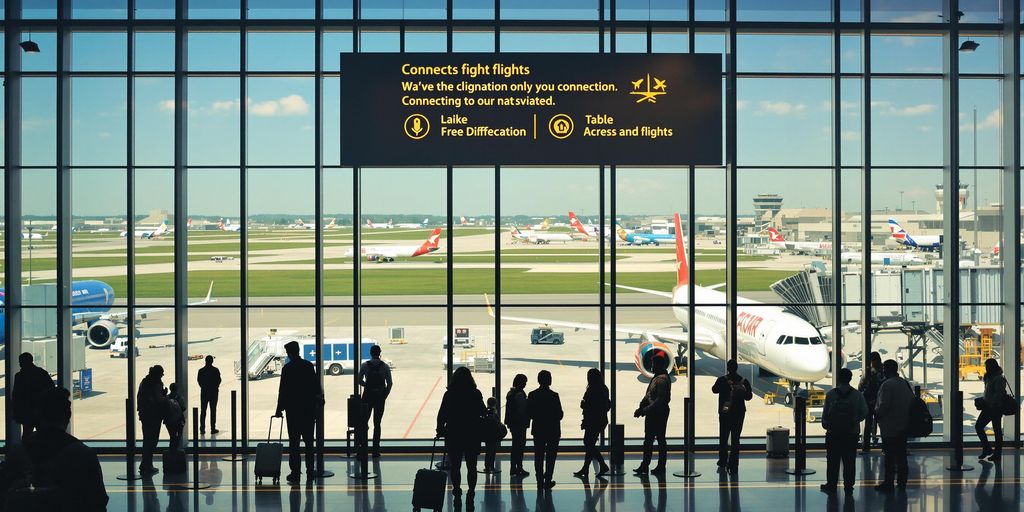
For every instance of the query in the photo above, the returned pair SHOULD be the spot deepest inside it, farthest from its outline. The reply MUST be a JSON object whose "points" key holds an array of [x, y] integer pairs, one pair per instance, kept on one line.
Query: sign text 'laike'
{"points": [[530, 109]]}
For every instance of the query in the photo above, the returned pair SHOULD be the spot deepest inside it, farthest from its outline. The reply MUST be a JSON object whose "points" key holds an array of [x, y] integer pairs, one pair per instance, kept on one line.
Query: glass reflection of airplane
{"points": [[768, 336]]}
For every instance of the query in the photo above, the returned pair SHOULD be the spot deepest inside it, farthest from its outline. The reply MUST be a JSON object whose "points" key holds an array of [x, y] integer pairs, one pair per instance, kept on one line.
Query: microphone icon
{"points": [[416, 126]]}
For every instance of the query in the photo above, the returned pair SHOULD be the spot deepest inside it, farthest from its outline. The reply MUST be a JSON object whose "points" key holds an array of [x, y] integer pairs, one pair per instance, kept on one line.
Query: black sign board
{"points": [[530, 109]]}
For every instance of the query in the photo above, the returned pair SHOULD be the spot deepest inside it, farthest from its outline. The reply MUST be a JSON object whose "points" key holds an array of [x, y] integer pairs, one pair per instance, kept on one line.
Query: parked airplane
{"points": [[331, 225], [371, 225], [388, 253], [543, 226], [536, 237], [149, 234], [34, 236], [228, 226], [410, 225], [587, 230], [922, 242], [768, 336], [301, 225], [644, 238], [775, 238], [91, 302], [883, 258], [463, 221]]}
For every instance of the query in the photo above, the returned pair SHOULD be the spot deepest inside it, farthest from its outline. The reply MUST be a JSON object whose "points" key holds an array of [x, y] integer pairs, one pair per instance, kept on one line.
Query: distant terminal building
{"points": [[766, 207]]}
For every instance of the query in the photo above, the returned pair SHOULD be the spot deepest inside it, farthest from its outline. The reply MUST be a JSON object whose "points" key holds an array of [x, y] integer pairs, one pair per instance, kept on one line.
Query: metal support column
{"points": [[129, 159], [837, 194], [180, 370], [731, 206], [951, 212], [243, 232], [865, 194], [64, 208]]}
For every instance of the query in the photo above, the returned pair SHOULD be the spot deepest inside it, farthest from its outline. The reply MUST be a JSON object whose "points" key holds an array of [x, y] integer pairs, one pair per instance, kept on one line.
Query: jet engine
{"points": [[101, 333], [648, 349]]}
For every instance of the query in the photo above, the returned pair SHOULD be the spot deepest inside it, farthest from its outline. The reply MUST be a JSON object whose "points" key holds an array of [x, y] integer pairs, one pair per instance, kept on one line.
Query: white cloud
{"points": [[994, 120], [291, 105], [225, 105], [850, 135], [780, 108], [742, 104], [888, 109], [167, 105]]}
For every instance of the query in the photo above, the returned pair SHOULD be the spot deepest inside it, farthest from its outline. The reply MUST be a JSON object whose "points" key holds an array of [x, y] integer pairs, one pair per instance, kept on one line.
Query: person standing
{"points": [[654, 408], [991, 411], [545, 411], [733, 393], [492, 431], [868, 386], [174, 419], [299, 395], [30, 383], [151, 401], [892, 411], [209, 389], [595, 405], [459, 423], [516, 420], [845, 408], [375, 378]]}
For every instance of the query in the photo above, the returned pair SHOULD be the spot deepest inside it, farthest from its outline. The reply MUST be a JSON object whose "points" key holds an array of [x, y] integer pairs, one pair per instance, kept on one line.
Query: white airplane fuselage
{"points": [[758, 329]]}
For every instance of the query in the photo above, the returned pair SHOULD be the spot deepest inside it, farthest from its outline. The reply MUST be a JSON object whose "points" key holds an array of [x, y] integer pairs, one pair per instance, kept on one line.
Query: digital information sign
{"points": [[531, 109]]}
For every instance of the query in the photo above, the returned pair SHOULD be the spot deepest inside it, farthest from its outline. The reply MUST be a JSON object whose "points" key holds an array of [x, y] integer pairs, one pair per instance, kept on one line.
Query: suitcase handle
{"points": [[280, 428]]}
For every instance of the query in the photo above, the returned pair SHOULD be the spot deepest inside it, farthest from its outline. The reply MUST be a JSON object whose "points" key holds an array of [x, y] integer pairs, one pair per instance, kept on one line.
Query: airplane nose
{"points": [[810, 364]]}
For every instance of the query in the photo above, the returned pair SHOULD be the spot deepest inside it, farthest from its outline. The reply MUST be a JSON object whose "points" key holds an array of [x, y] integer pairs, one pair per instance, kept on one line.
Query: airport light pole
{"points": [[975, 191], [30, 254]]}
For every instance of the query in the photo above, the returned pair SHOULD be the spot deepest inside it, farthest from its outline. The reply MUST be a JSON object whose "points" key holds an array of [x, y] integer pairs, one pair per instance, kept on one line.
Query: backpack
{"points": [[374, 376], [919, 420], [841, 413], [736, 393]]}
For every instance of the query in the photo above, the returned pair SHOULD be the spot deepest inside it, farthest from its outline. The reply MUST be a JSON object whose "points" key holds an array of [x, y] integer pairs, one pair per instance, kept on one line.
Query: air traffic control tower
{"points": [[766, 207]]}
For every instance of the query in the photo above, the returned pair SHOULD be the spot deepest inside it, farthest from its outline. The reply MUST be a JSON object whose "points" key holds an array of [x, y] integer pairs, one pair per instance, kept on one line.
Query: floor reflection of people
{"points": [[544, 502], [987, 499], [649, 504], [150, 499], [300, 499], [518, 501], [492, 492], [592, 497], [210, 473], [833, 503], [728, 493]]}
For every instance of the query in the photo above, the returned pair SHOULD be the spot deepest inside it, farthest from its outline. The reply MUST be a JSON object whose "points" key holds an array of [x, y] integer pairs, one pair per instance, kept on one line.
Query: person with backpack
{"points": [[845, 408], [868, 386], [544, 408], [991, 407], [150, 400], [595, 405], [517, 420], [375, 378], [893, 409], [733, 393], [174, 419], [654, 408], [494, 432]]}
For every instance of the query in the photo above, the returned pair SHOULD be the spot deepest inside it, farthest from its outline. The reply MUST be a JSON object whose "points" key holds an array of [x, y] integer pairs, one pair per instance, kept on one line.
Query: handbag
{"points": [[1009, 405]]}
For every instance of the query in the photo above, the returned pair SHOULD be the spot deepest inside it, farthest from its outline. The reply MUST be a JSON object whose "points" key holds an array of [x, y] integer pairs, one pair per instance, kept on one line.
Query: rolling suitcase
{"points": [[268, 455], [777, 443], [428, 488]]}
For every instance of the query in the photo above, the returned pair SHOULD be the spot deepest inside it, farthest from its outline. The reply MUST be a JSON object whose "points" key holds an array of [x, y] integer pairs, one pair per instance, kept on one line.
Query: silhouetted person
{"points": [[299, 396], [733, 392], [60, 460], [375, 378], [870, 381], [30, 383], [991, 410], [892, 411], [491, 431], [517, 420], [845, 408], [458, 421], [654, 408], [174, 419], [545, 411], [209, 389], [595, 405], [151, 401]]}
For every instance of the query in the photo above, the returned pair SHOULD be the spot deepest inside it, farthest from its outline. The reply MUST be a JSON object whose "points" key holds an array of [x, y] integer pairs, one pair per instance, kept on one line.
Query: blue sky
{"points": [[781, 121]]}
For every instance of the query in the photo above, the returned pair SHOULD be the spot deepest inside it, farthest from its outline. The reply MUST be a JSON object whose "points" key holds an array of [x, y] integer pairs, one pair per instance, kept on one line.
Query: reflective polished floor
{"points": [[762, 484]]}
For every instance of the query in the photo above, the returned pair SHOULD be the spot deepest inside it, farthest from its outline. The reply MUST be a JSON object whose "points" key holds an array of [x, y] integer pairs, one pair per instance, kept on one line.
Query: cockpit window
{"points": [[781, 339], [802, 341], [789, 340], [815, 341]]}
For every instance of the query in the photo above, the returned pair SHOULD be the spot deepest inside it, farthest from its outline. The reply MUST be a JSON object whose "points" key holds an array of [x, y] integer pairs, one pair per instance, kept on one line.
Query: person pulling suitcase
{"points": [[428, 488], [268, 455]]}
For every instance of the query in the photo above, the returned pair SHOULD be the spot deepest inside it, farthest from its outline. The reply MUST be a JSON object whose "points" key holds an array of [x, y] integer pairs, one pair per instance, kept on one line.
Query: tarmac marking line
{"points": [[420, 410]]}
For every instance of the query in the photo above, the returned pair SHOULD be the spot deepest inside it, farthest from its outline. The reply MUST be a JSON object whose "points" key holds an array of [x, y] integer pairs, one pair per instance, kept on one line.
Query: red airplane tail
{"points": [[682, 267], [430, 245]]}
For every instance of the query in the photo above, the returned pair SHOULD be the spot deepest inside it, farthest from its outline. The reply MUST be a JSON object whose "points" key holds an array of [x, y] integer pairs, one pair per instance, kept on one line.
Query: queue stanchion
{"points": [[129, 421], [688, 427], [800, 427], [957, 464], [362, 451], [196, 483], [234, 457], [321, 471], [618, 451]]}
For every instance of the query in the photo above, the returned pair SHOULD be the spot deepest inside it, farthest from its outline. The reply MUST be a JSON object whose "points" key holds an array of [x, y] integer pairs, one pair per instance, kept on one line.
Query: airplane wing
{"points": [[703, 340], [122, 316]]}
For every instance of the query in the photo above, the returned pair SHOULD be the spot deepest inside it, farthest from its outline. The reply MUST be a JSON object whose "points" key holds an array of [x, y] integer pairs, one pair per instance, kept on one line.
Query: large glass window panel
{"points": [[473, 234], [851, 108], [154, 51], [281, 248], [214, 238], [851, 53], [98, 252], [337, 237], [425, 41], [404, 9], [472, 41], [335, 43], [337, 9], [400, 259], [99, 124], [710, 226], [213, 121], [379, 40], [99, 9], [154, 205], [154, 121], [899, 11], [331, 104], [630, 42], [46, 58], [785, 53], [280, 51], [542, 10], [156, 348], [213, 51], [980, 122], [473, 345], [986, 58], [338, 368], [794, 10], [669, 42], [39, 9], [472, 9], [710, 10], [981, 11], [784, 121], [852, 238], [632, 380], [38, 121], [525, 41], [216, 332], [39, 243], [268, 330], [906, 118], [155, 9], [99, 51], [551, 264], [981, 224], [280, 121], [906, 53], [281, 9], [213, 9], [650, 10]]}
